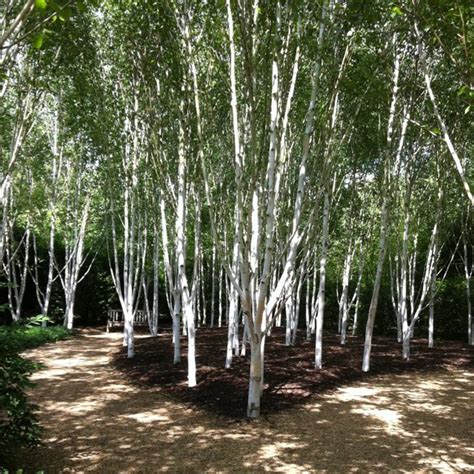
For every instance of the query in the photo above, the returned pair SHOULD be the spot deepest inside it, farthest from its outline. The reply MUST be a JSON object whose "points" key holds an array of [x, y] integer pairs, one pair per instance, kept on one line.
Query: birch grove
{"points": [[291, 170]]}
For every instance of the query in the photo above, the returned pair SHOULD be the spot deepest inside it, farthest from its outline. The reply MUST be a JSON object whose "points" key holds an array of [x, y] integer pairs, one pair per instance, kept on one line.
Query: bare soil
{"points": [[103, 413]]}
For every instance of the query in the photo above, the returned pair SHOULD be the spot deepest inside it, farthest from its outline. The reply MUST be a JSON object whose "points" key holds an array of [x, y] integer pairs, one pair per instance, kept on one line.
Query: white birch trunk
{"points": [[357, 297], [156, 279], [213, 285], [174, 301], [383, 219], [221, 283], [375, 293], [73, 267], [468, 271], [442, 124], [16, 269], [12, 30], [402, 306], [44, 298], [431, 308], [318, 361], [181, 260], [343, 303]]}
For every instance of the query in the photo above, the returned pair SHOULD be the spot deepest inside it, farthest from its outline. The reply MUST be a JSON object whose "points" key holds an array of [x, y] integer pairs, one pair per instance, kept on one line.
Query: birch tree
{"points": [[384, 211], [76, 218]]}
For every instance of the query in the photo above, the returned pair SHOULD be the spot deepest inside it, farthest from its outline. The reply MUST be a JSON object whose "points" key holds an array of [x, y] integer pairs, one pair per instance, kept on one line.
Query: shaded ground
{"points": [[290, 377], [97, 421]]}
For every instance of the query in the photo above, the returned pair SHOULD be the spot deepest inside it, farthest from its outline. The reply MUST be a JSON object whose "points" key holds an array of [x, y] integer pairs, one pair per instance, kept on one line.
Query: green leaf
{"points": [[54, 6], [396, 12], [41, 4], [65, 14], [462, 90], [38, 41]]}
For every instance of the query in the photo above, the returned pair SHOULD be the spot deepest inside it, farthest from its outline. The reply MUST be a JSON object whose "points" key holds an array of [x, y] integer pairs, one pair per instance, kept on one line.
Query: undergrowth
{"points": [[18, 422]]}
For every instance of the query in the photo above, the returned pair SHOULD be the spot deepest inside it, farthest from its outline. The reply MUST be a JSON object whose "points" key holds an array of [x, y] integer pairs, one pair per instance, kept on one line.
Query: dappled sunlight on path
{"points": [[97, 421]]}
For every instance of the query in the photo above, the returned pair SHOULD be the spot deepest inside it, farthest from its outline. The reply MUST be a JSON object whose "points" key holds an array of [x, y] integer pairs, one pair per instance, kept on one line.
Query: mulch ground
{"points": [[103, 413], [290, 376]]}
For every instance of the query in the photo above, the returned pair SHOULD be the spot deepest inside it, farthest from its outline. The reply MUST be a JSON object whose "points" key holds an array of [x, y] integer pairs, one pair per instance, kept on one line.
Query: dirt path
{"points": [[96, 421]]}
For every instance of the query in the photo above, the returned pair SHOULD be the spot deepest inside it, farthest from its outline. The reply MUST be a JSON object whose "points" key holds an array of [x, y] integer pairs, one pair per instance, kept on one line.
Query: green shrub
{"points": [[21, 336], [18, 422]]}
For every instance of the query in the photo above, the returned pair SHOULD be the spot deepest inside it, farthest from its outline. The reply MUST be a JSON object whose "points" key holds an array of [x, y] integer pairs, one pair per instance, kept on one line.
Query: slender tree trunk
{"points": [[375, 293], [469, 313], [468, 271], [16, 269], [156, 280], [221, 282], [314, 301], [308, 308], [322, 285], [297, 310], [17, 22], [343, 304], [213, 284], [402, 307], [383, 217], [431, 308], [356, 297], [176, 327], [442, 124], [232, 318], [289, 311], [188, 313], [255, 384]]}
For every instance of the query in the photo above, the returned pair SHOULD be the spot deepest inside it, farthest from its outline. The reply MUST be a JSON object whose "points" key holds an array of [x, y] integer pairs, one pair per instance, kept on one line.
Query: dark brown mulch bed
{"points": [[290, 377]]}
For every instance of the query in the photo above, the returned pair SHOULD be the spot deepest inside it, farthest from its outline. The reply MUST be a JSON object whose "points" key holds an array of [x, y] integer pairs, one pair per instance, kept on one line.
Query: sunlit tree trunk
{"points": [[213, 285], [344, 303], [156, 280], [186, 302], [73, 265], [402, 304], [429, 268], [383, 219], [44, 298], [468, 272], [431, 308], [16, 269], [318, 361], [233, 310], [127, 276], [77, 215], [23, 124], [16, 25], [290, 318], [221, 290], [314, 299], [442, 123], [174, 301], [356, 297]]}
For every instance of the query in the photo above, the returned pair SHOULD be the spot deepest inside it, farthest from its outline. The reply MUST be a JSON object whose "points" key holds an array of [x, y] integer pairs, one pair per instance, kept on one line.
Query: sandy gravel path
{"points": [[95, 421]]}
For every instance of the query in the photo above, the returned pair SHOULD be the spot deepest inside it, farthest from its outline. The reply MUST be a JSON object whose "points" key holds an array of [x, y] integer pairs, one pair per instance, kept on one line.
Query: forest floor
{"points": [[104, 413]]}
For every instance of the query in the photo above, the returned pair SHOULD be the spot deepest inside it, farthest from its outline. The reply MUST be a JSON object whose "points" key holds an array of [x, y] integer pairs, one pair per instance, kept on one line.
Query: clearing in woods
{"points": [[104, 413]]}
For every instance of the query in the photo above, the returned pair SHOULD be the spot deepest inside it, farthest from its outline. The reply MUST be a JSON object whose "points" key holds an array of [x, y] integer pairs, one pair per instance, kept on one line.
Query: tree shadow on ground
{"points": [[95, 421], [290, 376]]}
